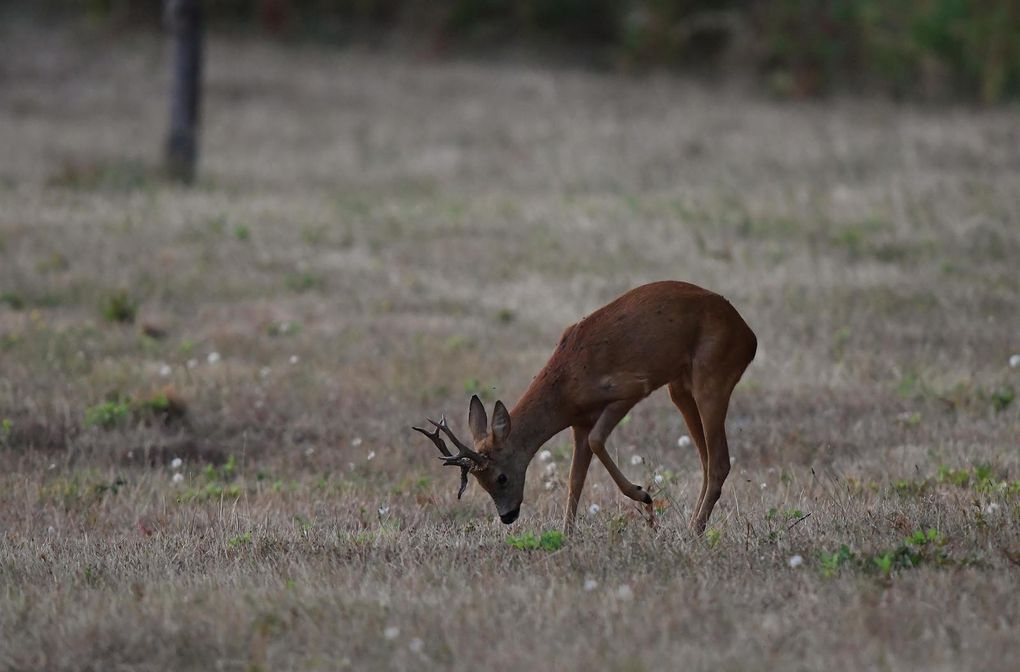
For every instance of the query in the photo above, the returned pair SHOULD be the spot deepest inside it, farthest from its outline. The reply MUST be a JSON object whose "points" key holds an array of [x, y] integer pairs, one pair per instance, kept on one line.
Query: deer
{"points": [[667, 333]]}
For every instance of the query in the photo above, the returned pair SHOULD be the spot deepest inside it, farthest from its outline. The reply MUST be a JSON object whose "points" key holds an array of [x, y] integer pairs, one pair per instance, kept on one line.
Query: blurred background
{"points": [[242, 251], [922, 49]]}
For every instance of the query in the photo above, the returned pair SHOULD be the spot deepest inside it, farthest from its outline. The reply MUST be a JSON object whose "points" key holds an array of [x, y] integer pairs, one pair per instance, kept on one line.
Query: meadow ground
{"points": [[373, 238]]}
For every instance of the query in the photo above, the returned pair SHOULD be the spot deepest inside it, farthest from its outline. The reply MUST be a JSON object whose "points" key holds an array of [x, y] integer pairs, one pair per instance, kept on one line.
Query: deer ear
{"points": [[477, 420], [500, 422]]}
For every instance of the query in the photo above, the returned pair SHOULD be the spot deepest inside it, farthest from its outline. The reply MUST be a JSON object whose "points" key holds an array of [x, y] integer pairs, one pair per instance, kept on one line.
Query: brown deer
{"points": [[663, 333]]}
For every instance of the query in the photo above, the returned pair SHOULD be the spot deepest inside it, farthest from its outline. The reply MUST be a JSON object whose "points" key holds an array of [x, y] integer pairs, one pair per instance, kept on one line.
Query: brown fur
{"points": [[663, 333]]}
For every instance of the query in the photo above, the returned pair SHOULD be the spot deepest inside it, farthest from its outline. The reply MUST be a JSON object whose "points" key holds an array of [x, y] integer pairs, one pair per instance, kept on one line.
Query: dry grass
{"points": [[412, 231]]}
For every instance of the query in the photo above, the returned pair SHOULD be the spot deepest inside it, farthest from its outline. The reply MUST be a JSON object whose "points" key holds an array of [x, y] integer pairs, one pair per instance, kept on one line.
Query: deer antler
{"points": [[466, 458], [434, 436]]}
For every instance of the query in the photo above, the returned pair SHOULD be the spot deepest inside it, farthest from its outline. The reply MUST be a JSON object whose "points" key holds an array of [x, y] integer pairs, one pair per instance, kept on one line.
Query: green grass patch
{"points": [[119, 307], [922, 547], [550, 540]]}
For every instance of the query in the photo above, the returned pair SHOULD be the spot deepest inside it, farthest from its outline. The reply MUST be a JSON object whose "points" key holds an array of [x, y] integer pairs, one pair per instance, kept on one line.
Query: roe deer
{"points": [[663, 333]]}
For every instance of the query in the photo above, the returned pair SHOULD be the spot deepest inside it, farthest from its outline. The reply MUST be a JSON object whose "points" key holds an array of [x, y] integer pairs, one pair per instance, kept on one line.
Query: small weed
{"points": [[163, 406], [840, 340], [920, 547], [831, 562], [112, 487], [505, 315], [910, 488], [304, 282], [119, 307], [13, 300], [242, 232], [412, 485], [91, 575], [211, 492], [218, 484], [107, 415], [474, 386], [958, 477], [239, 540], [909, 419], [787, 514], [54, 263], [909, 385], [551, 540], [1003, 397], [284, 328], [712, 537]]}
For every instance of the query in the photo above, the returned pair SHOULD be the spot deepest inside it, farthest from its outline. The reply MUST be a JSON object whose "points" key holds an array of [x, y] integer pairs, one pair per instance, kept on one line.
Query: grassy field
{"points": [[375, 237]]}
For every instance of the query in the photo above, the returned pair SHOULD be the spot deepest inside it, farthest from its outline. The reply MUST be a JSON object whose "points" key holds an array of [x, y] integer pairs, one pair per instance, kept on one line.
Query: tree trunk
{"points": [[185, 20]]}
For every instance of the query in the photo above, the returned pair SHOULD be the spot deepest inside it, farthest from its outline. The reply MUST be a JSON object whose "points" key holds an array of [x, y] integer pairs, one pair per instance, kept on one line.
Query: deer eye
{"points": [[502, 479]]}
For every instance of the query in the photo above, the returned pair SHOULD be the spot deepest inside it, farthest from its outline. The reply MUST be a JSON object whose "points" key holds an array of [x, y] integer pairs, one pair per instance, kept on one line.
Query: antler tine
{"points": [[463, 459], [435, 438], [444, 426]]}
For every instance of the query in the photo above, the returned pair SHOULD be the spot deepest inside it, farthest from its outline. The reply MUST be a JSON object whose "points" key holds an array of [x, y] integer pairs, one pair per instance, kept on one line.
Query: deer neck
{"points": [[536, 418]]}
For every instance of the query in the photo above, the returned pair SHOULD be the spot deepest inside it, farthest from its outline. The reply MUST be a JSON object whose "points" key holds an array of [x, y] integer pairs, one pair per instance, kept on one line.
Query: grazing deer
{"points": [[664, 333]]}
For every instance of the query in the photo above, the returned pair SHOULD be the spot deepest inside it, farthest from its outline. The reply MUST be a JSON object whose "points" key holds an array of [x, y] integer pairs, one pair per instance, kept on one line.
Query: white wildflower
{"points": [[53, 465], [384, 509], [1014, 361], [992, 508], [51, 530], [371, 455], [165, 370], [625, 593], [356, 441], [178, 477], [683, 441], [294, 359], [264, 372], [284, 327], [550, 468], [545, 455], [309, 451], [416, 645], [594, 508], [176, 463], [658, 479], [213, 358], [795, 561], [764, 485], [590, 585], [636, 459], [192, 363], [391, 632]]}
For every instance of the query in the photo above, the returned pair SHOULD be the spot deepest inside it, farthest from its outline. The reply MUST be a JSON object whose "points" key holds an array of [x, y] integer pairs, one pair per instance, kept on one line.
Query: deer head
{"points": [[495, 464]]}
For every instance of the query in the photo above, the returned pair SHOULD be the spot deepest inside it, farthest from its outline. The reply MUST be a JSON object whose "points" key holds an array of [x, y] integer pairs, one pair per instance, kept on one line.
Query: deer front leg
{"points": [[578, 472], [611, 416]]}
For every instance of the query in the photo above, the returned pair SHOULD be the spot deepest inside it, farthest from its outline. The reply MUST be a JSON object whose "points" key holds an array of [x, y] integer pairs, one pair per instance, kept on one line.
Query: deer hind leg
{"points": [[712, 395], [579, 464], [684, 400], [611, 416]]}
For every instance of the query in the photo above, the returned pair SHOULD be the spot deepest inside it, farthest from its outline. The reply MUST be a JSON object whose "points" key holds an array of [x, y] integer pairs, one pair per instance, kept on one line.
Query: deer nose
{"points": [[510, 516]]}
